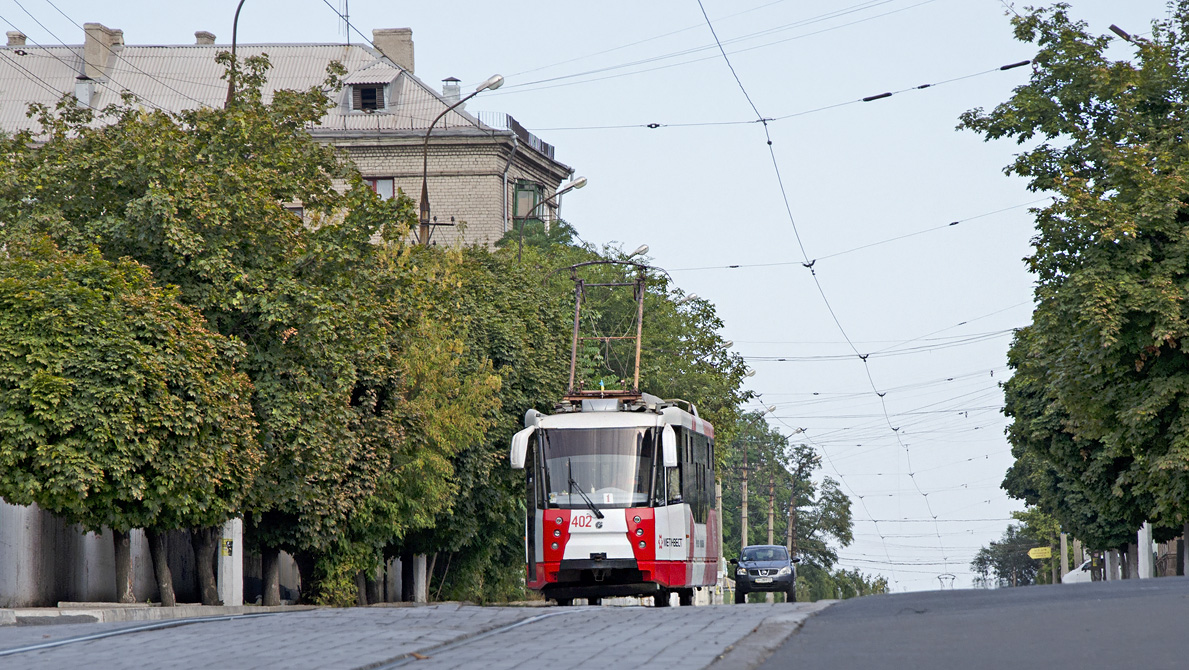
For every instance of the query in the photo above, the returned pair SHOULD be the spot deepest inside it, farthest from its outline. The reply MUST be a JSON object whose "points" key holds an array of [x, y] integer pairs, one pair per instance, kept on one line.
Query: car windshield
{"points": [[612, 466], [765, 554]]}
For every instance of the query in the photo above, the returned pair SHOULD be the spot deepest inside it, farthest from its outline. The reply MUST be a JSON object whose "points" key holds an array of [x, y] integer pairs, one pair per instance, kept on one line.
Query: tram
{"points": [[620, 499], [619, 488]]}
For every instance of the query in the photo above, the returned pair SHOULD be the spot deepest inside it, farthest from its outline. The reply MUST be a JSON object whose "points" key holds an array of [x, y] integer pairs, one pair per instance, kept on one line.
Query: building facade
{"points": [[480, 170]]}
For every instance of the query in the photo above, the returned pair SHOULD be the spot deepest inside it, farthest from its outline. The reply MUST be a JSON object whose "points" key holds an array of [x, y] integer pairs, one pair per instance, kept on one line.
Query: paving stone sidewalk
{"points": [[357, 638]]}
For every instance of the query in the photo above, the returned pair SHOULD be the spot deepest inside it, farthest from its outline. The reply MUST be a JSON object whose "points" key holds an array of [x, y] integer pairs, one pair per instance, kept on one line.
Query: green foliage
{"points": [[823, 516], [118, 407], [1101, 428], [359, 394], [815, 583], [1005, 562]]}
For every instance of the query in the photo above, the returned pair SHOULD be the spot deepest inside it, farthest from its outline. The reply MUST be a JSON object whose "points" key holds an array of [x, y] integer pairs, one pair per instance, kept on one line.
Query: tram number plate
{"points": [[763, 580]]}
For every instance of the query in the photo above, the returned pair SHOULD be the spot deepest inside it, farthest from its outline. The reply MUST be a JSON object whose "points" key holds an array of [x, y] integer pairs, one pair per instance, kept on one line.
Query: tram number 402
{"points": [[582, 522]]}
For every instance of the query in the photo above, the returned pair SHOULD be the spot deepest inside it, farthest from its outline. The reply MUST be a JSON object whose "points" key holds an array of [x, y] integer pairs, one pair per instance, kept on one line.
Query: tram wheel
{"points": [[594, 601], [661, 599], [565, 602], [686, 597]]}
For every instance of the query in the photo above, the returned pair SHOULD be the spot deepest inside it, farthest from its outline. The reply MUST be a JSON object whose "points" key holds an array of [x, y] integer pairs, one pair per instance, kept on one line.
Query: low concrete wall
{"points": [[44, 560]]}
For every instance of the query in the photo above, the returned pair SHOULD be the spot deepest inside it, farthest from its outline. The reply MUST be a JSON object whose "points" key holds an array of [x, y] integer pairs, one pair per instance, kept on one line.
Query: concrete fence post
{"points": [[420, 584], [1147, 565], [231, 563]]}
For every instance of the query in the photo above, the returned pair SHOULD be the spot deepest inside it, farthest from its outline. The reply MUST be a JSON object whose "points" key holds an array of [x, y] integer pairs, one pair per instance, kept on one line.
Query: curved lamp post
{"points": [[577, 183], [493, 82], [234, 64]]}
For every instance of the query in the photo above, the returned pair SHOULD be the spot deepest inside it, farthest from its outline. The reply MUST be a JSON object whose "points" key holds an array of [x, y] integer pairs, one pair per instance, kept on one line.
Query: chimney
{"points": [[84, 90], [204, 37], [98, 49], [16, 38], [450, 90], [396, 44]]}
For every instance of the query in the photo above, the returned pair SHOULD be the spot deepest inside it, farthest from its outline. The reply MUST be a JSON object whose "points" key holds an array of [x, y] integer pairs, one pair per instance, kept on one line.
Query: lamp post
{"points": [[577, 183], [234, 64], [493, 82]]}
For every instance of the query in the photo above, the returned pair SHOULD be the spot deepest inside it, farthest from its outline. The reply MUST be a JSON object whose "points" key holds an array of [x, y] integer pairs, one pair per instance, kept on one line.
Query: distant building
{"points": [[485, 171]]}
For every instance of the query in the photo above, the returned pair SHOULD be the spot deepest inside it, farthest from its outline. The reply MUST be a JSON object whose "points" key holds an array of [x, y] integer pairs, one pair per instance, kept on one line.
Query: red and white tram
{"points": [[620, 499]]}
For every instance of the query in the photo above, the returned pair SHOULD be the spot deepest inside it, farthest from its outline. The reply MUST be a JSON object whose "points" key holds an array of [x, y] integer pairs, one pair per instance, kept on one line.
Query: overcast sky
{"points": [[934, 310]]}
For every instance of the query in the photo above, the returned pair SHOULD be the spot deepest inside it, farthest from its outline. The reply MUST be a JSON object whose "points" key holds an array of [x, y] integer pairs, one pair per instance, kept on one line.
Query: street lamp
{"points": [[640, 251], [493, 82], [689, 298], [577, 183], [234, 64]]}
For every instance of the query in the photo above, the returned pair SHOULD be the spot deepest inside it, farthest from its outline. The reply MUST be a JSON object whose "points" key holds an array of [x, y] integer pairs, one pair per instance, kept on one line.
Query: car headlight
{"points": [[741, 571], [786, 570]]}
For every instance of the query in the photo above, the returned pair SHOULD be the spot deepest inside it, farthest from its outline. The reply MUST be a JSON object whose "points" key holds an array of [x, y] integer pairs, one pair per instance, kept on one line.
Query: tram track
{"points": [[414, 656], [160, 625]]}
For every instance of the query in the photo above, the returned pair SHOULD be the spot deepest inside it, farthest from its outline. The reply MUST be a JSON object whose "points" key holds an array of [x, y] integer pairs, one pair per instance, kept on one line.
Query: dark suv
{"points": [[765, 567]]}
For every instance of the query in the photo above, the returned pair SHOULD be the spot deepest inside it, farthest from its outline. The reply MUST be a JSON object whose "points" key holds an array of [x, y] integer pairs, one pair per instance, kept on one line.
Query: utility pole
{"points": [[771, 597], [771, 503], [743, 519]]}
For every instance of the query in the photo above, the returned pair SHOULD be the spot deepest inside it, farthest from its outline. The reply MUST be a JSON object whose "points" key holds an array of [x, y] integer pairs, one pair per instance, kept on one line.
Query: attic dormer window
{"points": [[367, 97]]}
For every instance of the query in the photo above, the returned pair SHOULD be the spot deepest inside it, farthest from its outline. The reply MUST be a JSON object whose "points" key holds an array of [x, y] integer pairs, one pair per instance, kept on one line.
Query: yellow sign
{"points": [[1040, 552], [226, 546]]}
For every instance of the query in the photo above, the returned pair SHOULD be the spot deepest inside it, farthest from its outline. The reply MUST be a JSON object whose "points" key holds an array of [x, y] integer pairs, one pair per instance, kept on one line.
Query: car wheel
{"points": [[740, 596], [790, 596]]}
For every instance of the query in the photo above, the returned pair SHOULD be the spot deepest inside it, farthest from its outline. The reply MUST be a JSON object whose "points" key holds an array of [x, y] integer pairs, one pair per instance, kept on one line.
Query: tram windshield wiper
{"points": [[574, 487]]}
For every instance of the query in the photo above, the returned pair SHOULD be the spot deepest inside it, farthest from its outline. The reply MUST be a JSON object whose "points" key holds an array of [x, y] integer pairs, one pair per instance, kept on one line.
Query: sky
{"points": [[916, 236]]}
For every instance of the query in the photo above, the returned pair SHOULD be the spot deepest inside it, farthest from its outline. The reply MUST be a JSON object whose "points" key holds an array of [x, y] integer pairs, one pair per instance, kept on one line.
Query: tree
{"points": [[358, 400], [1110, 328], [1007, 560], [822, 512], [118, 407]]}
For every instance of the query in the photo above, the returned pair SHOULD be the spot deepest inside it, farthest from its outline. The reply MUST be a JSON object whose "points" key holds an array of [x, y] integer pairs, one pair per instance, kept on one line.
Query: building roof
{"points": [[177, 77]]}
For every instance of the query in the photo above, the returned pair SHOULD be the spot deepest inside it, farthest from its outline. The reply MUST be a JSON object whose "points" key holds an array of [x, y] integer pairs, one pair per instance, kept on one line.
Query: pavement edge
{"points": [[766, 638]]}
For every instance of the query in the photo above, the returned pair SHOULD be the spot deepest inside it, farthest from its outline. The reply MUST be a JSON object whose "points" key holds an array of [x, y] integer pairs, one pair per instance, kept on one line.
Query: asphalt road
{"points": [[1117, 625]]}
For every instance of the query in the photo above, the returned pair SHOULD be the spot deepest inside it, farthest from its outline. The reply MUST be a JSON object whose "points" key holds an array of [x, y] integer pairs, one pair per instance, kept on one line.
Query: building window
{"points": [[524, 199], [367, 97], [382, 186]]}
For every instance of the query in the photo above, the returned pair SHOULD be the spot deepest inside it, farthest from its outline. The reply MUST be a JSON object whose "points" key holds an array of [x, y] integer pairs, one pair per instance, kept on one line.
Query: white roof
{"points": [[185, 77]]}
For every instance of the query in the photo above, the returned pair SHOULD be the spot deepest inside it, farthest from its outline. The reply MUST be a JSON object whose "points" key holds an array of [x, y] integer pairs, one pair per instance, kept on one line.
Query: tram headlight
{"points": [[636, 518], [786, 570], [558, 520], [553, 546], [556, 532], [643, 544], [639, 532]]}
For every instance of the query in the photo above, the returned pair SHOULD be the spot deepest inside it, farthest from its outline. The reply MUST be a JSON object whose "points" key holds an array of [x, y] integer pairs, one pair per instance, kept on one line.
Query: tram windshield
{"points": [[612, 466]]}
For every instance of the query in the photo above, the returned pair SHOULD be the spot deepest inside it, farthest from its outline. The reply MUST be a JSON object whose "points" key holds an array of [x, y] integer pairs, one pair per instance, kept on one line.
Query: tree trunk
{"points": [[270, 566], [159, 553], [123, 544], [375, 585], [360, 589], [306, 564], [205, 553]]}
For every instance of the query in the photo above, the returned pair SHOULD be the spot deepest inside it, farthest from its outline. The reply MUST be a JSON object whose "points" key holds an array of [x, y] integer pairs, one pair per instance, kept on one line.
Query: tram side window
{"points": [[674, 477]]}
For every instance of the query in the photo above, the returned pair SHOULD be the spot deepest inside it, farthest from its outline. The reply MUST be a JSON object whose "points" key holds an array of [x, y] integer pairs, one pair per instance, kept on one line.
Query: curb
{"points": [[116, 612], [766, 638]]}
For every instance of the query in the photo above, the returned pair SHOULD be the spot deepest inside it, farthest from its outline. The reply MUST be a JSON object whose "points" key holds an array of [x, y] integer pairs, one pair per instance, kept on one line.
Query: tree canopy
{"points": [[118, 407], [1100, 399]]}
